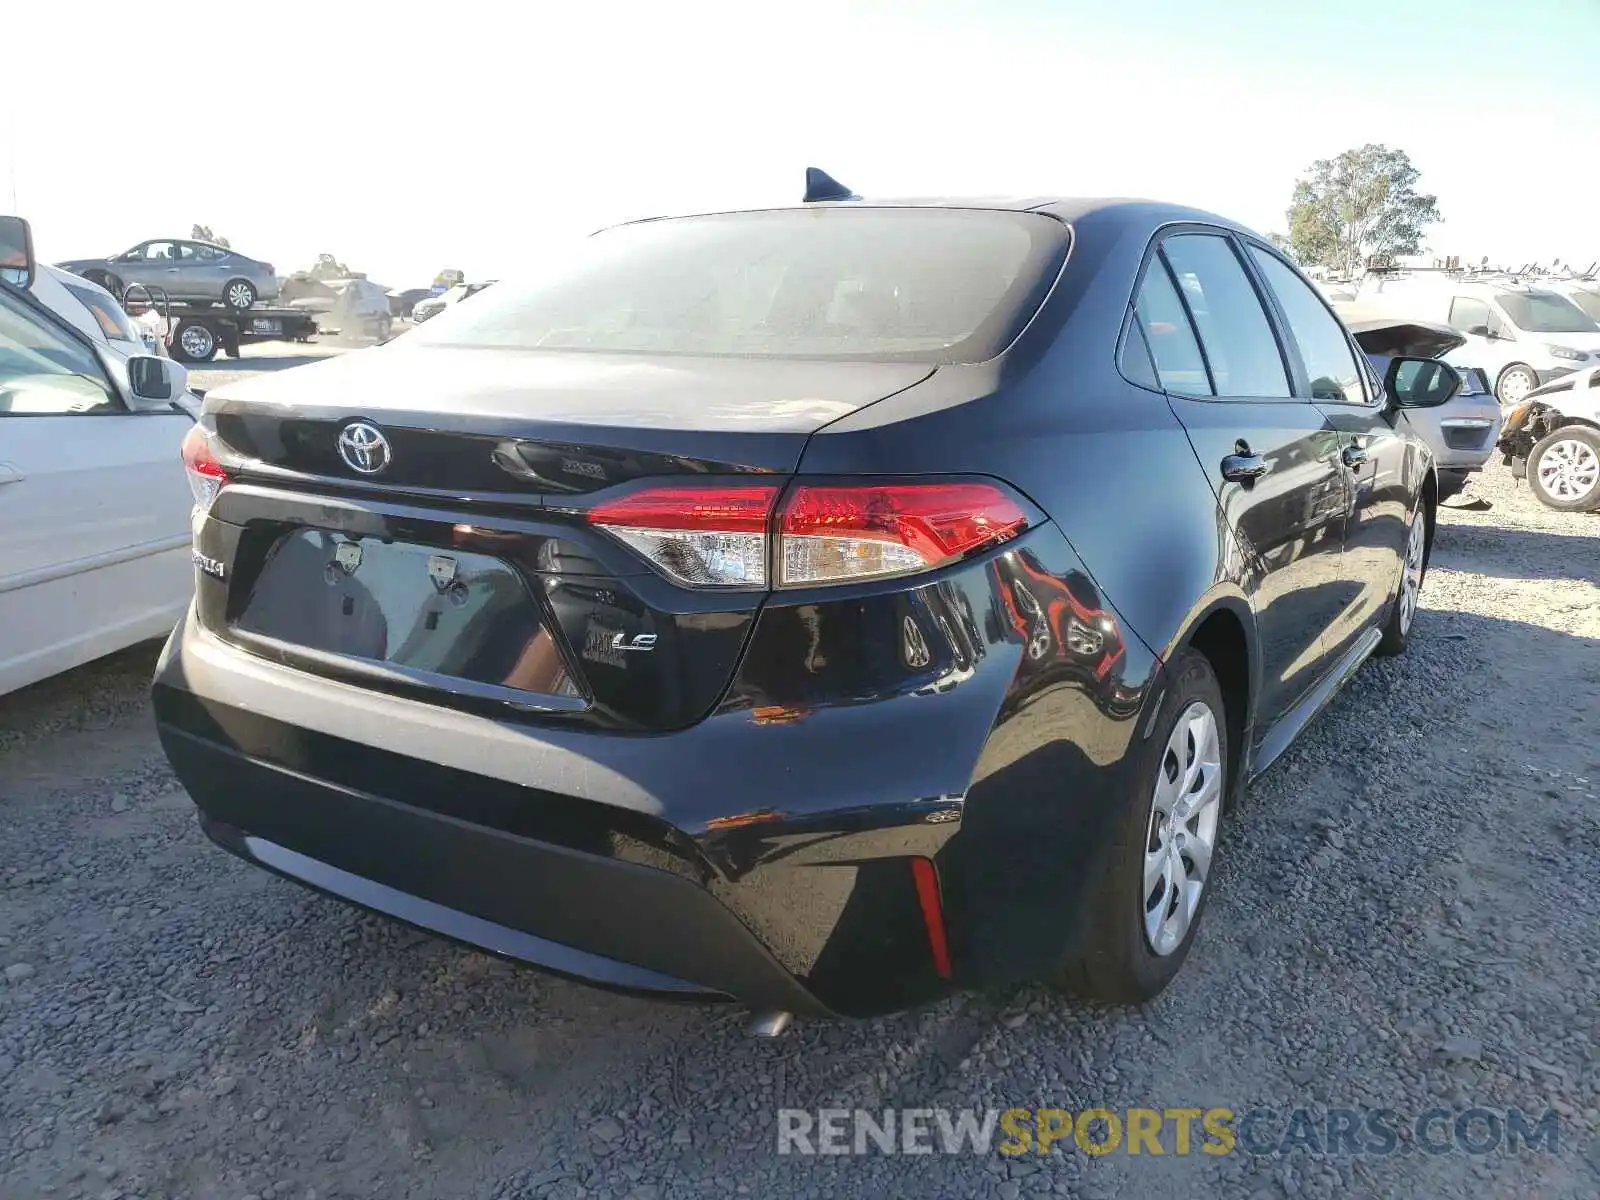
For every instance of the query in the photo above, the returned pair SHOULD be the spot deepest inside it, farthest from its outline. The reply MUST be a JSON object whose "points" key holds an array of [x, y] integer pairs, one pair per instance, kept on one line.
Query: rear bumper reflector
{"points": [[932, 914]]}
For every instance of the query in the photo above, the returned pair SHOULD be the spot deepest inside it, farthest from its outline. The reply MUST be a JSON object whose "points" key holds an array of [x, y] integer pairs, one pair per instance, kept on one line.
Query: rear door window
{"points": [[1240, 346]]}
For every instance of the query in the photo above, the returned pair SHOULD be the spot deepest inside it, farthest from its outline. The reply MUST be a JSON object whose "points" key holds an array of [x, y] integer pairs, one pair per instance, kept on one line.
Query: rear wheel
{"points": [[1156, 876], [1516, 381], [1408, 590], [1564, 469], [194, 342], [240, 293]]}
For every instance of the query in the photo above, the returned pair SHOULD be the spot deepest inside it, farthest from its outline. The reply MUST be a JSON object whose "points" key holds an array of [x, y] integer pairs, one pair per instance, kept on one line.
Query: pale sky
{"points": [[405, 137]]}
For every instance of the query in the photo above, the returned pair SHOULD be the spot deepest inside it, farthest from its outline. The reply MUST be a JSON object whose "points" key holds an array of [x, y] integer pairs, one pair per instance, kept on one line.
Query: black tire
{"points": [[1116, 963], [1516, 372], [1397, 626], [239, 294], [1580, 471], [193, 341]]}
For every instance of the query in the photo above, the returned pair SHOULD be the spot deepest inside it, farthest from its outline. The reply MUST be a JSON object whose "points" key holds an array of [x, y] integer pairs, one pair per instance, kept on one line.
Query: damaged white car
{"points": [[1552, 439]]}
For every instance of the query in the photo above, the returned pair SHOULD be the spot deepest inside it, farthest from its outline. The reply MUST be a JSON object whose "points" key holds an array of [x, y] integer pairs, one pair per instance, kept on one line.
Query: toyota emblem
{"points": [[363, 447]]}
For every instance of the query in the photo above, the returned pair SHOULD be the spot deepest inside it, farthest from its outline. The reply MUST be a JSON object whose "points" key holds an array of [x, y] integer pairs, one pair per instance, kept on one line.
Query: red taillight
{"points": [[833, 533], [206, 476], [721, 535], [704, 536], [719, 509]]}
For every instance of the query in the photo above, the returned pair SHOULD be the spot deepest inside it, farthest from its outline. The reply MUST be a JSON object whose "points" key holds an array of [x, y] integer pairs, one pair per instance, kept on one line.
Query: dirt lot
{"points": [[1406, 918]]}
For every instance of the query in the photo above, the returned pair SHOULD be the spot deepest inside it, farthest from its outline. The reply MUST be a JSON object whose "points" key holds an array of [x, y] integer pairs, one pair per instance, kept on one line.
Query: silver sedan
{"points": [[185, 269], [1462, 432]]}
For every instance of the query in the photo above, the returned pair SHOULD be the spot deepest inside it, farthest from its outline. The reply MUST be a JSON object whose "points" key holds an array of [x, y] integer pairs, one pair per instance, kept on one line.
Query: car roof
{"points": [[1070, 209]]}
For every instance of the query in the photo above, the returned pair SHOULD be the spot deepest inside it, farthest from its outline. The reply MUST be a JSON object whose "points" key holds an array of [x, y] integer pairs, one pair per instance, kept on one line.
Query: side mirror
{"points": [[150, 381], [16, 252], [1421, 382], [1479, 331]]}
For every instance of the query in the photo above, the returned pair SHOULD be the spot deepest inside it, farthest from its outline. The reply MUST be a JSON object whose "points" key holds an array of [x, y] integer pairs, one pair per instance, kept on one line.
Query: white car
{"points": [[1522, 335], [94, 501], [1552, 439], [1585, 293]]}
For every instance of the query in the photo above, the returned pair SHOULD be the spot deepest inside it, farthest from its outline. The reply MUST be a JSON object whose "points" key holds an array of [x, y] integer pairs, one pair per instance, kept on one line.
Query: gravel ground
{"points": [[1405, 918]]}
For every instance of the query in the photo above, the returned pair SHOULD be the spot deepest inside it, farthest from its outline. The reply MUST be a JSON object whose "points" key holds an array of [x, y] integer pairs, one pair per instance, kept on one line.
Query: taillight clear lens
{"points": [[701, 536], [836, 533], [719, 536], [206, 476]]}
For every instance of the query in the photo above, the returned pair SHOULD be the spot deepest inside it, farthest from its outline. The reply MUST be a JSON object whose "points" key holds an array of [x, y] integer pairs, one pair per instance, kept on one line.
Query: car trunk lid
{"points": [[461, 568]]}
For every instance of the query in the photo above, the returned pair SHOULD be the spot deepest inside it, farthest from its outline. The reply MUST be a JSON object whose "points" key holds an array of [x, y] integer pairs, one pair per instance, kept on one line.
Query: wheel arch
{"points": [[1222, 629]]}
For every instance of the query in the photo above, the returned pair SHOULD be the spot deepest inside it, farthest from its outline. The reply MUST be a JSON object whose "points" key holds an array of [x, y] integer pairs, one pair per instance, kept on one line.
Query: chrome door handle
{"points": [[1353, 456], [1243, 468]]}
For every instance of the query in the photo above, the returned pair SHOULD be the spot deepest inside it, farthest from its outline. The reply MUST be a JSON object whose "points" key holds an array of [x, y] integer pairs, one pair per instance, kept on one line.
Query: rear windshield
{"points": [[1546, 312], [888, 284]]}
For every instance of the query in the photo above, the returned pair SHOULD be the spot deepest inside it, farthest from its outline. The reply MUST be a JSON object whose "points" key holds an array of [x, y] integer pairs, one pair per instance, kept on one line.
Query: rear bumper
{"points": [[603, 890], [530, 901], [768, 853]]}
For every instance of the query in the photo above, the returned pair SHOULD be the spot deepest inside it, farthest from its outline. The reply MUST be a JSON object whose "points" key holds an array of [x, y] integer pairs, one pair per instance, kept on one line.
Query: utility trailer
{"points": [[196, 331]]}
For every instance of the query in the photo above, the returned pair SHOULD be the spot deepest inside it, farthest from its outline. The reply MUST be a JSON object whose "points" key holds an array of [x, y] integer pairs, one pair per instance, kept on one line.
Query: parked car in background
{"points": [[401, 304], [186, 270], [93, 310], [361, 310], [1552, 439], [1462, 432], [94, 507], [1521, 335], [434, 305], [1585, 293], [825, 607]]}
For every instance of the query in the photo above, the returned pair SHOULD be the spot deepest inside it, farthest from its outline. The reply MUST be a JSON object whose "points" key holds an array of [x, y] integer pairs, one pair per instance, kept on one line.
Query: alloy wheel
{"points": [[1411, 571], [1184, 812], [1569, 470], [240, 295]]}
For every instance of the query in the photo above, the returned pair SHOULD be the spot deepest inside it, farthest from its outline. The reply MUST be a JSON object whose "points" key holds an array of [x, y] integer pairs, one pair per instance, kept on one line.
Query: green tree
{"points": [[1362, 205], [202, 233]]}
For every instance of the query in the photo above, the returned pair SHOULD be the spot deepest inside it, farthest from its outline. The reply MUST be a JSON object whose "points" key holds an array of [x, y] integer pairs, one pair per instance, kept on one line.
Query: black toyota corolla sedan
{"points": [[822, 608]]}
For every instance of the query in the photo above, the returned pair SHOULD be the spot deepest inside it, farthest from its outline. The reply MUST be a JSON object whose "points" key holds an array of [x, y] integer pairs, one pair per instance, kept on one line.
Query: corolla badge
{"points": [[364, 448]]}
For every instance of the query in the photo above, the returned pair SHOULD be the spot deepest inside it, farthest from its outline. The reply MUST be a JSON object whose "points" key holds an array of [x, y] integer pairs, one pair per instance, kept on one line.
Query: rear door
{"points": [[1271, 455], [1329, 370], [195, 276]]}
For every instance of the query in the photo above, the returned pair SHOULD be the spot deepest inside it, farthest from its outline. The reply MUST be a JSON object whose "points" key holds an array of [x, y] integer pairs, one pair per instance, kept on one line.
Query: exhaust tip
{"points": [[769, 1024]]}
